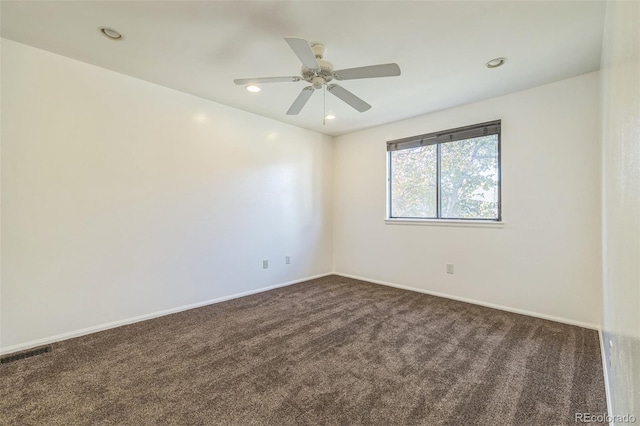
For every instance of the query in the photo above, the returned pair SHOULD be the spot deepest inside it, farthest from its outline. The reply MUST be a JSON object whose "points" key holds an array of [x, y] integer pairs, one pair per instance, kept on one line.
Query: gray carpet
{"points": [[328, 351]]}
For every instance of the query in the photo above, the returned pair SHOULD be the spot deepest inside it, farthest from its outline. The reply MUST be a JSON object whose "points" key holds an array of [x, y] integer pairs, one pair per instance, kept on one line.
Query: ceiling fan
{"points": [[320, 73]]}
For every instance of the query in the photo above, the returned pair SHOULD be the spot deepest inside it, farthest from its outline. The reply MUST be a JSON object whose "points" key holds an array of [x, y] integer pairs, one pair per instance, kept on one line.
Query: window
{"points": [[453, 174]]}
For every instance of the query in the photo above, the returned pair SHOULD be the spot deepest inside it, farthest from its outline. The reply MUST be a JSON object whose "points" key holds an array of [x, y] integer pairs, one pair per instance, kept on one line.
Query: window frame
{"points": [[439, 137]]}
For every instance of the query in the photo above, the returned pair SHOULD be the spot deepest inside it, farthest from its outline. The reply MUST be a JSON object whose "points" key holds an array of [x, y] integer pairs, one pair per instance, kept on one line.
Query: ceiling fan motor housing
{"points": [[318, 78]]}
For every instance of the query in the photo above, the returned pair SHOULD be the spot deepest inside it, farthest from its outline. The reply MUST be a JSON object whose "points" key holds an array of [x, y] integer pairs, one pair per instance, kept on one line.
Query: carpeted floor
{"points": [[330, 351]]}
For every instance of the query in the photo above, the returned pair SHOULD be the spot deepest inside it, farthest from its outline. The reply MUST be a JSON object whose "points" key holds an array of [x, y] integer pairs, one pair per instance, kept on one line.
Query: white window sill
{"points": [[447, 222]]}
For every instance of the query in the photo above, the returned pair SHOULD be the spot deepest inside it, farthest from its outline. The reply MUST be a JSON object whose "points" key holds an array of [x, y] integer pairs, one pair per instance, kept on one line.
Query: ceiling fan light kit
{"points": [[319, 73]]}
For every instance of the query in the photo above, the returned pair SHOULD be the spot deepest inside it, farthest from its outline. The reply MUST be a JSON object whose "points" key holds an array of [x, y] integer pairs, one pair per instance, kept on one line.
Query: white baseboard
{"points": [[102, 327], [477, 302], [607, 390]]}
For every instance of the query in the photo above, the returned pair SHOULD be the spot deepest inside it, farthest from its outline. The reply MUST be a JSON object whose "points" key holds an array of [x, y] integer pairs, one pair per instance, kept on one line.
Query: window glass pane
{"points": [[469, 173], [413, 182]]}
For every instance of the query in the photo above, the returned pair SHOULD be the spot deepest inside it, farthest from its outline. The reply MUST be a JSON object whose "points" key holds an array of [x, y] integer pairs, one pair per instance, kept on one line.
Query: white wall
{"points": [[121, 198], [546, 259], [621, 204]]}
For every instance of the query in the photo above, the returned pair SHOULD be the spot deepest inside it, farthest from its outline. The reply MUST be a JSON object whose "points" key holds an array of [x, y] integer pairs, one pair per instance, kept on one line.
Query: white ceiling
{"points": [[441, 47]]}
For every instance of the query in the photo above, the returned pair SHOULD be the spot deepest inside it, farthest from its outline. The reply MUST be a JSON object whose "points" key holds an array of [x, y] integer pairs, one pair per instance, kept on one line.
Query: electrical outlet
{"points": [[287, 260], [449, 268], [265, 264]]}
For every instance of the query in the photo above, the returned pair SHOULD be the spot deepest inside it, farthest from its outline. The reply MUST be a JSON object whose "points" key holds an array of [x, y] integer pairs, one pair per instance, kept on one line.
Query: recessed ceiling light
{"points": [[497, 62], [110, 33], [253, 89], [330, 117]]}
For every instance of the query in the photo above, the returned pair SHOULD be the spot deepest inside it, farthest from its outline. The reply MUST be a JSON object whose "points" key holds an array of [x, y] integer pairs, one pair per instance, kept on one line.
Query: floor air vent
{"points": [[23, 355]]}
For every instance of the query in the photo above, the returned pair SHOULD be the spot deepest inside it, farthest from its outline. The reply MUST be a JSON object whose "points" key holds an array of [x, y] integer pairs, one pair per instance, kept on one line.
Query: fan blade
{"points": [[243, 81], [303, 51], [348, 97], [300, 101], [372, 71]]}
